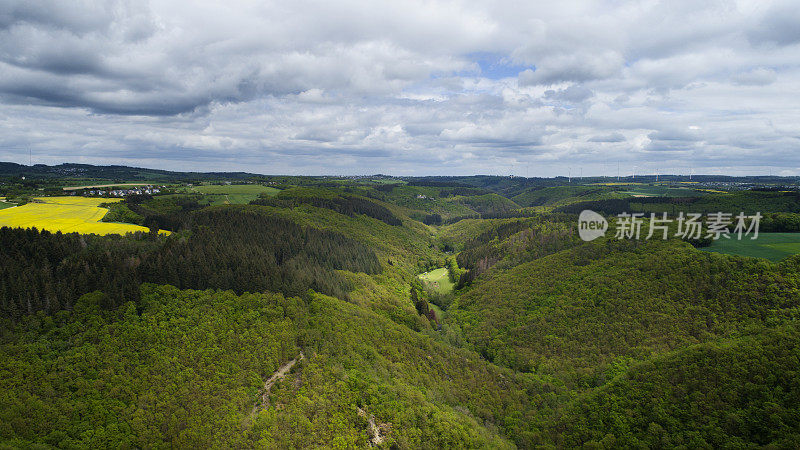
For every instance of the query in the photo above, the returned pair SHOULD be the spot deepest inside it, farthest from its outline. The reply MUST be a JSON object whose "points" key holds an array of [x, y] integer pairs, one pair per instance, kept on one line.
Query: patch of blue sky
{"points": [[495, 66]]}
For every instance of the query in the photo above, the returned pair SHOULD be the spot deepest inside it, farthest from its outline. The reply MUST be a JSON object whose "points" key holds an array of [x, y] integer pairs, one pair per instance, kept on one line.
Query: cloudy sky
{"points": [[404, 87]]}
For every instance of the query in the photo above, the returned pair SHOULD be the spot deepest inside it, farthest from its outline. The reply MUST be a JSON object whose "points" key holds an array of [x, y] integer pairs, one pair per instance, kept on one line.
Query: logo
{"points": [[591, 225], [688, 226]]}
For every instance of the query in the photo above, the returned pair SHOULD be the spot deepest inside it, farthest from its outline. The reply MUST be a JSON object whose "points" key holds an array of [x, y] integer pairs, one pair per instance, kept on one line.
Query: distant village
{"points": [[745, 186], [142, 190]]}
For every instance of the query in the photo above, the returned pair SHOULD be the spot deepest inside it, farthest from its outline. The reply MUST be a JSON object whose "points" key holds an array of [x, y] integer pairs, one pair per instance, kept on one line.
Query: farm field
{"points": [[381, 181], [438, 279], [684, 189], [662, 191], [233, 194], [771, 246], [4, 204], [76, 201], [67, 215]]}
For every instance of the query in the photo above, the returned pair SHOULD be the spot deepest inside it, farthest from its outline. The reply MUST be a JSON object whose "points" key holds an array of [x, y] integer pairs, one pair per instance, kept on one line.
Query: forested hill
{"points": [[507, 186], [112, 173], [244, 251], [740, 392], [188, 371], [636, 335], [431, 312], [614, 301]]}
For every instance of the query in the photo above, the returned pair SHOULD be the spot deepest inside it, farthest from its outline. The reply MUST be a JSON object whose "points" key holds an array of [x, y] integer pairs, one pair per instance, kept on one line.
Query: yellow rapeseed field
{"points": [[67, 215]]}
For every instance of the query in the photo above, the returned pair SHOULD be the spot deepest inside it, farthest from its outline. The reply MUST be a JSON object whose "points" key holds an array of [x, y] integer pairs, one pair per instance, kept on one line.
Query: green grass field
{"points": [[440, 315], [234, 189], [771, 246], [662, 191], [4, 204], [382, 181], [438, 280], [232, 194]]}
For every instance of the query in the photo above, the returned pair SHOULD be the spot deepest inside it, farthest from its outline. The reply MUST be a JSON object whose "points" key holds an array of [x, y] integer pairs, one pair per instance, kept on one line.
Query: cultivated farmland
{"points": [[771, 246], [232, 194], [67, 215]]}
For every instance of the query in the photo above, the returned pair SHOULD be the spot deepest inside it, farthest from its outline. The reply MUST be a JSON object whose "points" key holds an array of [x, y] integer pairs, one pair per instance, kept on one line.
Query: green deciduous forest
{"points": [[300, 319]]}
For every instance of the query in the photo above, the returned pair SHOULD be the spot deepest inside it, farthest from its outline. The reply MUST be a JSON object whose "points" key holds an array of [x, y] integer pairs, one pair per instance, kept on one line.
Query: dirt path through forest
{"points": [[375, 432], [279, 374]]}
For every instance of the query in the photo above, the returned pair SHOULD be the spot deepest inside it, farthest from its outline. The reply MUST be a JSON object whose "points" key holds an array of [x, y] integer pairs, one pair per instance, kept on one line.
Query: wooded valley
{"points": [[537, 339]]}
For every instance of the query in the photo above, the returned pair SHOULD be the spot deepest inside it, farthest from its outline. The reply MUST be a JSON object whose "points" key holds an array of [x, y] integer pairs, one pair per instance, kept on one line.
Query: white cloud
{"points": [[353, 86], [757, 77]]}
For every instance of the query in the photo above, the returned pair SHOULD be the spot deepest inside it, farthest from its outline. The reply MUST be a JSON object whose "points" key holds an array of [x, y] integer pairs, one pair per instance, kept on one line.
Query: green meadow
{"points": [[438, 280], [232, 194], [771, 246], [662, 191]]}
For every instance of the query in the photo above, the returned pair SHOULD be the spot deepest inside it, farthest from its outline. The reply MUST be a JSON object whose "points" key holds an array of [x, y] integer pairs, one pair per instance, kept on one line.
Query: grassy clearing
{"points": [[662, 191], [440, 314], [382, 181], [67, 215], [234, 189], [771, 246], [438, 280], [232, 194], [4, 204]]}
